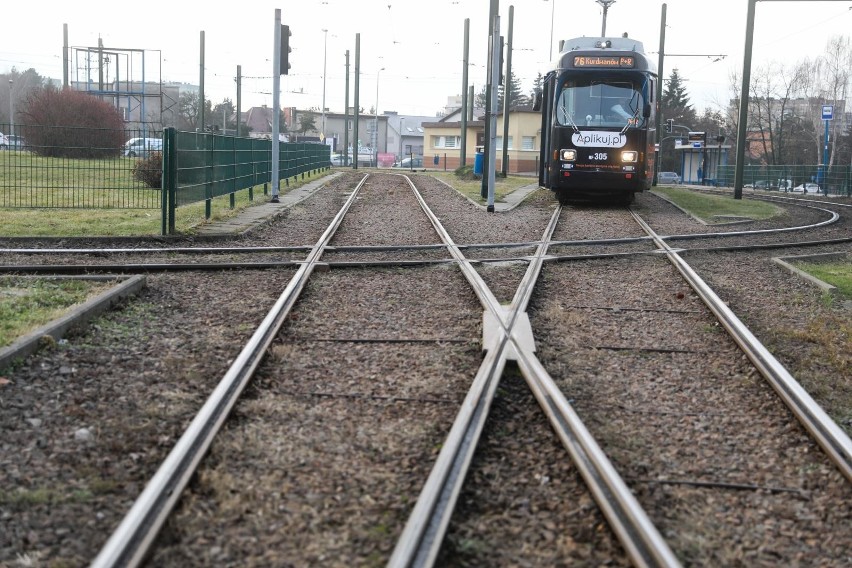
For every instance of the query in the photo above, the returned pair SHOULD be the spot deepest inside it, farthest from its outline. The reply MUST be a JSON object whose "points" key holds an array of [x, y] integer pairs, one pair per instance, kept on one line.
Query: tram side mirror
{"points": [[646, 111], [537, 102]]}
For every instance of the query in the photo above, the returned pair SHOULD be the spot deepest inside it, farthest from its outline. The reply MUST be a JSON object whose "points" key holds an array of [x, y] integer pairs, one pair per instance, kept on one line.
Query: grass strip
{"points": [[719, 208], [27, 304]]}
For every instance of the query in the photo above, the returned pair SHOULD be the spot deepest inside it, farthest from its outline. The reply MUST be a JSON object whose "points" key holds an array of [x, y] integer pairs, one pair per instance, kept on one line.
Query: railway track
{"points": [[507, 338]]}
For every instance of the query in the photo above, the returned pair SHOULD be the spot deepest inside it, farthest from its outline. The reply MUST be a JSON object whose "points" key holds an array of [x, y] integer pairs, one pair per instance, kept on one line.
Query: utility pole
{"points": [[200, 87], [324, 54], [346, 116], [355, 142], [239, 98]]}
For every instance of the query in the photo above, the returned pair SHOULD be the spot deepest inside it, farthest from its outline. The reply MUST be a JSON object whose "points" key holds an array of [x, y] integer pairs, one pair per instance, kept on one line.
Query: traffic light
{"points": [[284, 65], [670, 125]]}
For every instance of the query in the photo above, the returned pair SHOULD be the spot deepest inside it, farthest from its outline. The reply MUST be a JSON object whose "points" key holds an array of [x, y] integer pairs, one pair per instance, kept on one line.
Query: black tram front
{"points": [[598, 120]]}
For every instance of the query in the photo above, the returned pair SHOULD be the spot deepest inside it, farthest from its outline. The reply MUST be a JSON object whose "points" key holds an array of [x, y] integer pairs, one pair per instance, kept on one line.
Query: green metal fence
{"points": [[70, 167], [834, 180], [199, 166], [90, 168]]}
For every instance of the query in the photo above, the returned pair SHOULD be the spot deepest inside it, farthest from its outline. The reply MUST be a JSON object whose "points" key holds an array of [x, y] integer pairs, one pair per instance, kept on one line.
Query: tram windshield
{"points": [[599, 102]]}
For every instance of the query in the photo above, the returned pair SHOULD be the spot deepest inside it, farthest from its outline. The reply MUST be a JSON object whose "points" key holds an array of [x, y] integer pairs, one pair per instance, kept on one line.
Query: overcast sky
{"points": [[418, 45]]}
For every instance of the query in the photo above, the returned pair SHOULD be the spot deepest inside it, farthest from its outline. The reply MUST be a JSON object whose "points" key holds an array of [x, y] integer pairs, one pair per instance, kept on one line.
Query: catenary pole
{"points": [[507, 94], [346, 116], [355, 142], [658, 115], [487, 164], [492, 118], [743, 116], [465, 57]]}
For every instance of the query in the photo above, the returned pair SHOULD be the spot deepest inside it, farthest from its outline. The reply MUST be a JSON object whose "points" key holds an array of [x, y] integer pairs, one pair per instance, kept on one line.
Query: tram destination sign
{"points": [[608, 61]]}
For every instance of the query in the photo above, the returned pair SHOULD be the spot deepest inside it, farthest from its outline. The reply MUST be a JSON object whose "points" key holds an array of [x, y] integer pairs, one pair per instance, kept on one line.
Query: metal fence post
{"points": [[168, 180]]}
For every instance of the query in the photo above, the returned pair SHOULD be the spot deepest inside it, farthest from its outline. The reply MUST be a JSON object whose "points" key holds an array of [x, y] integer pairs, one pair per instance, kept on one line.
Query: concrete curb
{"points": [[511, 200], [77, 317], [738, 221], [822, 285]]}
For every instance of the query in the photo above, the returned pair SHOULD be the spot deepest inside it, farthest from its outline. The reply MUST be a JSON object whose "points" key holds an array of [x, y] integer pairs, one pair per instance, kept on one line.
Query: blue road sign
{"points": [[827, 112]]}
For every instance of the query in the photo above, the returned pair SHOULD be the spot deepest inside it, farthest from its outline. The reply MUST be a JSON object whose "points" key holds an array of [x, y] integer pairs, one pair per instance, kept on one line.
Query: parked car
{"points": [[668, 178], [784, 184], [4, 142], [416, 162], [142, 147], [760, 184], [807, 187]]}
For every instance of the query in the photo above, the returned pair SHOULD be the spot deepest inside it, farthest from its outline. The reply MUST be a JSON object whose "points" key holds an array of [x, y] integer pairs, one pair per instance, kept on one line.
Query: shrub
{"points": [[466, 173], [71, 124], [150, 170]]}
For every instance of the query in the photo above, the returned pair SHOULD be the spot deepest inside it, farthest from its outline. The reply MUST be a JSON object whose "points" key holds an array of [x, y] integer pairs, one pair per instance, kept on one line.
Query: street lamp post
{"points": [[401, 130], [324, 54], [552, 14], [11, 110], [376, 150]]}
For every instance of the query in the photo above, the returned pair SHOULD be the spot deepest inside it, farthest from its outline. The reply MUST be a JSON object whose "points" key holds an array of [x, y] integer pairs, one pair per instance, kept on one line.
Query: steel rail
{"points": [[825, 431], [628, 520], [142, 268], [129, 543], [421, 538], [147, 250], [833, 218], [422, 535]]}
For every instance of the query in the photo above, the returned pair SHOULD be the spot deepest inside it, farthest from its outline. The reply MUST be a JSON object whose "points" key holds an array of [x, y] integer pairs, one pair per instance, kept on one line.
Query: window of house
{"points": [[528, 143], [446, 141], [499, 143]]}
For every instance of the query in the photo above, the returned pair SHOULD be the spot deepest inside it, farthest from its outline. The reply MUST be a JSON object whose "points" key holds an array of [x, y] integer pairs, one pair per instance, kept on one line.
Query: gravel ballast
{"points": [[326, 452]]}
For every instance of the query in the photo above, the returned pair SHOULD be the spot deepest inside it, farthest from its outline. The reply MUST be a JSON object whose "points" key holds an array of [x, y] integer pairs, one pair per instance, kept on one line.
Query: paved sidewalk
{"points": [[252, 217]]}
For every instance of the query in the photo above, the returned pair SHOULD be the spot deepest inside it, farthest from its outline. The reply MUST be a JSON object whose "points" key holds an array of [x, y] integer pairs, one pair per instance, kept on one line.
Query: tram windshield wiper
{"points": [[564, 110], [634, 120]]}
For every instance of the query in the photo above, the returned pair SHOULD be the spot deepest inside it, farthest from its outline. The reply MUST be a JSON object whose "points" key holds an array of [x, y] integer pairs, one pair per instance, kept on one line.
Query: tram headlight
{"points": [[569, 155], [630, 156]]}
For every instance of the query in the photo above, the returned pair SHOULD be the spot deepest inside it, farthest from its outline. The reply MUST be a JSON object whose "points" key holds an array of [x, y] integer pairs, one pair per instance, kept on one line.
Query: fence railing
{"points": [[71, 167], [90, 168], [199, 166], [833, 180]]}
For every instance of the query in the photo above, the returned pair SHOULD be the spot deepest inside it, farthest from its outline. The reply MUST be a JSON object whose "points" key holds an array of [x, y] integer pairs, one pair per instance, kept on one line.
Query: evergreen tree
{"points": [[517, 97], [675, 105], [537, 86]]}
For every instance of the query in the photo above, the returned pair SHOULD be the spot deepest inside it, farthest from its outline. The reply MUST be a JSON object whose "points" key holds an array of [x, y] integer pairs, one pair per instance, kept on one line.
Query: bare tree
{"points": [[836, 64]]}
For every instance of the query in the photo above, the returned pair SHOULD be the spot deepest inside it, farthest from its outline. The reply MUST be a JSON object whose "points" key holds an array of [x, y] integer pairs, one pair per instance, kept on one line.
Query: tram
{"points": [[597, 120]]}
